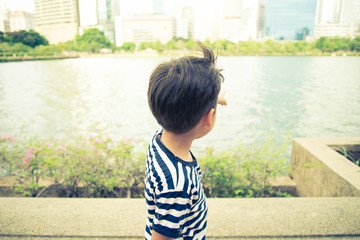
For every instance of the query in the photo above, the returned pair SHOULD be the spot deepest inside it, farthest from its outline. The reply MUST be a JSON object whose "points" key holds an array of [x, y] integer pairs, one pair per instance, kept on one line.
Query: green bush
{"points": [[244, 170], [93, 168], [103, 167], [128, 47]]}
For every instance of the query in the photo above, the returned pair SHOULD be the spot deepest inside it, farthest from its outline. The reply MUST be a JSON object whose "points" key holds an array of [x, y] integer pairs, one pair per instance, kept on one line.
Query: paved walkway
{"points": [[272, 218]]}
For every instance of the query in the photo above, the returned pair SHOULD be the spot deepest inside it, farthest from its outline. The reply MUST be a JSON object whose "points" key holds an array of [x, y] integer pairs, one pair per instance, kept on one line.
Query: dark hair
{"points": [[182, 90]]}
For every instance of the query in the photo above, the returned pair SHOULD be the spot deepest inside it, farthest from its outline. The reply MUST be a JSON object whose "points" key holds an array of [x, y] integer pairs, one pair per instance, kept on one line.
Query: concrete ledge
{"points": [[319, 171], [273, 218]]}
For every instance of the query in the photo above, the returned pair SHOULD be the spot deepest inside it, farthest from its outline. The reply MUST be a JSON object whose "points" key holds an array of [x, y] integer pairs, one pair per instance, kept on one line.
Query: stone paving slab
{"points": [[271, 218], [208, 238]]}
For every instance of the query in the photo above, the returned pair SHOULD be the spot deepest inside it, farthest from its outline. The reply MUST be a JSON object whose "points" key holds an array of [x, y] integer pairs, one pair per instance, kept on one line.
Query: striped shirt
{"points": [[175, 198]]}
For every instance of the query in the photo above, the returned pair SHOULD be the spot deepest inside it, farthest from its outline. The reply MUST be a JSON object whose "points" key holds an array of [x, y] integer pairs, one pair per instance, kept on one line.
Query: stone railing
{"points": [[319, 171]]}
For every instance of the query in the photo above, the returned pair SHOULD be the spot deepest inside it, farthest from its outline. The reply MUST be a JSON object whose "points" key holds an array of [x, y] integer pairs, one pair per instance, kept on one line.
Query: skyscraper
{"points": [[4, 22], [289, 19], [185, 21], [207, 19], [233, 20], [20, 20], [357, 17], [107, 10], [148, 28], [57, 20], [260, 20], [337, 18]]}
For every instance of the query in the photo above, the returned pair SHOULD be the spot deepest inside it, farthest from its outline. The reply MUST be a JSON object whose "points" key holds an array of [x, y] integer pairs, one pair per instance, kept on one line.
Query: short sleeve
{"points": [[172, 207]]}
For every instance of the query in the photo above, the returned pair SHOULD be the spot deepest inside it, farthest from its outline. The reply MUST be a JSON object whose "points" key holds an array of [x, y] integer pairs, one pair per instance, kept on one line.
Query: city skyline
{"points": [[234, 20]]}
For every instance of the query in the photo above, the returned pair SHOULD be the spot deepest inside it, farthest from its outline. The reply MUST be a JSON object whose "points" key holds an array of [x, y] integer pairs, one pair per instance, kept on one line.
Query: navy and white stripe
{"points": [[174, 194]]}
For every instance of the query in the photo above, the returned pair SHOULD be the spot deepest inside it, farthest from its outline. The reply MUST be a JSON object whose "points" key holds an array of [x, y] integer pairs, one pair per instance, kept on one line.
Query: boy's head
{"points": [[182, 90]]}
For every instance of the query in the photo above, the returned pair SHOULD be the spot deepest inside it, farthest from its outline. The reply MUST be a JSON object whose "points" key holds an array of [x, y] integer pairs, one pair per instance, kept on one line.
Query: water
{"points": [[305, 96]]}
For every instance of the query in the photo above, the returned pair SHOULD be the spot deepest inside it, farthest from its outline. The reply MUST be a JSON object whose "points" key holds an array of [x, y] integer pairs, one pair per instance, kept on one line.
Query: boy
{"points": [[182, 96]]}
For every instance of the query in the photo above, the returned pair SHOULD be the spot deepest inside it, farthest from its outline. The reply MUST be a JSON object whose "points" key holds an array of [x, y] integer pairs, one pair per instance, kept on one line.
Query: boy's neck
{"points": [[178, 144]]}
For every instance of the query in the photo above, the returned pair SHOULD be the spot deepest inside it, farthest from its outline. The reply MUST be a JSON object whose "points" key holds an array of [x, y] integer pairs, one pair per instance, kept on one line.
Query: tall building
{"points": [[337, 18], [289, 19], [260, 20], [185, 21], [4, 22], [182, 28], [107, 10], [57, 20], [239, 21], [233, 21], [207, 20], [148, 28], [20, 20], [357, 17]]}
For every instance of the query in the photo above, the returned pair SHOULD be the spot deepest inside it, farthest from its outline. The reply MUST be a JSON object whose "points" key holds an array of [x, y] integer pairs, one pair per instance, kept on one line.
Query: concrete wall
{"points": [[319, 171]]}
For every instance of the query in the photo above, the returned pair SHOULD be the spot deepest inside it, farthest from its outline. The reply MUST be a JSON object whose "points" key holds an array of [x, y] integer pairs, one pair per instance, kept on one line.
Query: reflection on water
{"points": [[306, 96]]}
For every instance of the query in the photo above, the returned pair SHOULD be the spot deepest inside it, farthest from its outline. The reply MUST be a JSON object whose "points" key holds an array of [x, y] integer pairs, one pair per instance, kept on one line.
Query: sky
{"points": [[23, 5]]}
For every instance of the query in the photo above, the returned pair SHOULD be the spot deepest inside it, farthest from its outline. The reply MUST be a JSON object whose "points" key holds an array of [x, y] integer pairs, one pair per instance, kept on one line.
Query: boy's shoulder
{"points": [[166, 171], [159, 152]]}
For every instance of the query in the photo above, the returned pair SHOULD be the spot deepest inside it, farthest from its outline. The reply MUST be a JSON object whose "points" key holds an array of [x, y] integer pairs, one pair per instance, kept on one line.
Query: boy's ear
{"points": [[208, 118]]}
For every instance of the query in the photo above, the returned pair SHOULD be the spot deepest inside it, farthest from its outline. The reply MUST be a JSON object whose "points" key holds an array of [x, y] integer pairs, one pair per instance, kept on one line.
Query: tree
{"points": [[219, 45], [128, 47], [92, 40], [320, 43], [157, 46], [29, 38], [152, 45], [47, 50], [355, 44], [302, 46], [171, 44], [250, 47], [191, 44], [269, 46], [5, 48], [290, 47], [2, 37], [67, 46], [328, 44], [20, 48]]}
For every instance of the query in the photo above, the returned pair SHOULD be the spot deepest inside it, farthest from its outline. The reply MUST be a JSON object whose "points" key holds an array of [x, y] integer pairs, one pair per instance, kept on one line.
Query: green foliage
{"points": [[249, 47], [349, 154], [332, 44], [244, 171], [5, 48], [26, 43], [94, 168], [128, 47], [10, 154], [67, 46], [47, 50], [103, 167], [355, 44], [157, 46], [270, 47], [92, 40], [20, 48], [29, 38]]}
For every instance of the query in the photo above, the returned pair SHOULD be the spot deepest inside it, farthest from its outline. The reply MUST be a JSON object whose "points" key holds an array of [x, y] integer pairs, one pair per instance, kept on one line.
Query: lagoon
{"points": [[299, 96]]}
